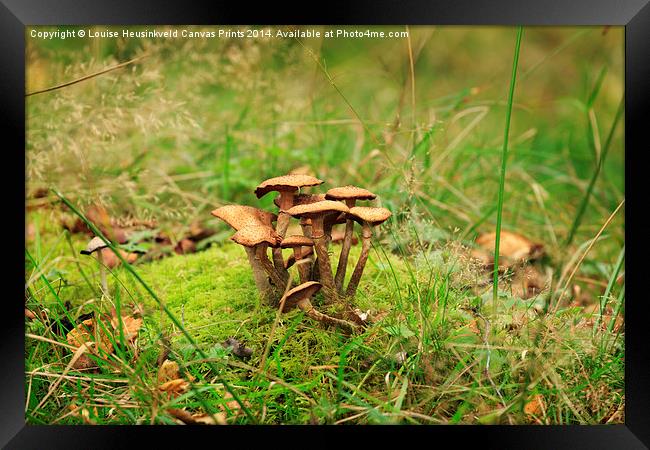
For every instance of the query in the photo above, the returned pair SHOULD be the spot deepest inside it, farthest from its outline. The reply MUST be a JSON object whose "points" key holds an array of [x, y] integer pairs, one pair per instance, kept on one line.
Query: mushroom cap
{"points": [[286, 183], [317, 209], [95, 244], [301, 292], [302, 199], [238, 216], [253, 235], [296, 241], [372, 215], [349, 193]]}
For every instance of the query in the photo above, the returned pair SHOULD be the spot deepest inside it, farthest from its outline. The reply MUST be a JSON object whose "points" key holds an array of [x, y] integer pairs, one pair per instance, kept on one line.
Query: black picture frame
{"points": [[15, 15]]}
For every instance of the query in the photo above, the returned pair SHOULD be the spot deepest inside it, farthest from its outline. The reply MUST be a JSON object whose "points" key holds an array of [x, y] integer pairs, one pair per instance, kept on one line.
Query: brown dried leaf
{"points": [[207, 419], [111, 260], [88, 331], [168, 371], [130, 326], [175, 387], [514, 247], [198, 418], [535, 405], [185, 246]]}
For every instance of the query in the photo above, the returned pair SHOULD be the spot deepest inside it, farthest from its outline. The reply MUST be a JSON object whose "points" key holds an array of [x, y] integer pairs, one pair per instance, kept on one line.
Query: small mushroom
{"points": [[96, 245], [299, 297], [317, 212], [368, 216], [349, 194], [287, 186], [297, 243], [240, 217]]}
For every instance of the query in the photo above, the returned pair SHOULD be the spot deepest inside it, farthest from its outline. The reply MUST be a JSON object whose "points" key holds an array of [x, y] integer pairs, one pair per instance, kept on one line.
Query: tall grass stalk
{"points": [[601, 161], [502, 177]]}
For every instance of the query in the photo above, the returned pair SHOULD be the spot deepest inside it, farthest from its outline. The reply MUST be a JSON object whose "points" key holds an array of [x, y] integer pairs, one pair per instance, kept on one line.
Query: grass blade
{"points": [[502, 177]]}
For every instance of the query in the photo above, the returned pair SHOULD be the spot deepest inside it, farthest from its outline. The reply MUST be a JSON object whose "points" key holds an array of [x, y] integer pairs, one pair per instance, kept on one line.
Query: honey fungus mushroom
{"points": [[369, 217], [300, 297], [286, 186], [253, 221], [350, 195], [317, 212], [96, 245]]}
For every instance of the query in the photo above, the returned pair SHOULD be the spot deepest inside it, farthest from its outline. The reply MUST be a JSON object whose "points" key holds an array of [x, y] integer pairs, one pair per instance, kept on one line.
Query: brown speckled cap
{"points": [[304, 291], [317, 209], [349, 193], [369, 214], [238, 216], [296, 241], [95, 244], [286, 183], [253, 235]]}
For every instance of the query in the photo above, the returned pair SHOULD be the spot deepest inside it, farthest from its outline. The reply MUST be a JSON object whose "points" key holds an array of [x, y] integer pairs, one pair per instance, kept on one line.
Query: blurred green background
{"points": [[200, 122]]}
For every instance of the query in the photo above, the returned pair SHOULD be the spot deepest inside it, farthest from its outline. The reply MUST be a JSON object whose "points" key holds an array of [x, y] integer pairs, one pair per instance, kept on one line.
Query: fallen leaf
{"points": [[111, 260], [130, 326], [76, 226], [207, 419], [513, 248], [185, 246], [168, 371], [162, 238], [198, 418], [535, 406], [87, 331], [29, 315], [175, 387], [198, 232], [237, 348]]}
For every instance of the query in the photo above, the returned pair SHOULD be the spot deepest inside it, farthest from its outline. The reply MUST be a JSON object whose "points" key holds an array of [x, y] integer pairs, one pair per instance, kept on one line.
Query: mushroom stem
{"points": [[361, 264], [343, 258], [306, 306], [303, 265], [281, 228], [277, 280], [325, 268], [102, 271], [309, 261], [261, 281]]}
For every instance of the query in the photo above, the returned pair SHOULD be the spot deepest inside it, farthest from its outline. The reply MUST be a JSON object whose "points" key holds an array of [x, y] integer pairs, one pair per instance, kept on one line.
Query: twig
{"points": [[87, 77]]}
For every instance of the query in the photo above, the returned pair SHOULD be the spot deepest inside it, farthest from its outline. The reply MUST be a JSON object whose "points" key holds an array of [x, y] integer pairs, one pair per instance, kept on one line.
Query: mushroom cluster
{"points": [[317, 214]]}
